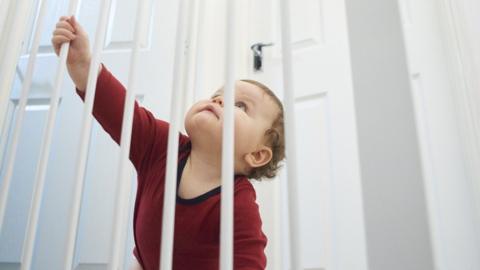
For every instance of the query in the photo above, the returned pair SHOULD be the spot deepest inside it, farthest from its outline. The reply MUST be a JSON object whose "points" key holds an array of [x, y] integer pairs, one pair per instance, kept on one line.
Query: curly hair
{"points": [[275, 138]]}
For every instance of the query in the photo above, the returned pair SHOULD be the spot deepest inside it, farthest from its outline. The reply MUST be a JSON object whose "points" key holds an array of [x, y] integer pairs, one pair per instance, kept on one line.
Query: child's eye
{"points": [[241, 105]]}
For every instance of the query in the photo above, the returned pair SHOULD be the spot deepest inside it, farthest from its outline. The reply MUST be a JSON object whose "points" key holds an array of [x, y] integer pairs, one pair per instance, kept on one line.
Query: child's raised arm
{"points": [[149, 135]]}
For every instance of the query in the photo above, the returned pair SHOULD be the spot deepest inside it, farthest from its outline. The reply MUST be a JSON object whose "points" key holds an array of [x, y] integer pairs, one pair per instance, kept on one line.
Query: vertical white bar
{"points": [[172, 151], [120, 223], [5, 131], [12, 148], [3, 12], [188, 61], [86, 131], [41, 169], [45, 150], [293, 208], [199, 51], [226, 214], [29, 241], [12, 49], [5, 6]]}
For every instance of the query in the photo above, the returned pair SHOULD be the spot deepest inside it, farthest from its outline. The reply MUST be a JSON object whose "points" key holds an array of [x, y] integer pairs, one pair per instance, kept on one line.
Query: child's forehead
{"points": [[244, 88]]}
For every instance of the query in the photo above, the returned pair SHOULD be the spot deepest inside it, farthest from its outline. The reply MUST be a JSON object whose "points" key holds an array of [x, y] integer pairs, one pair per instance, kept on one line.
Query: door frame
{"points": [[467, 101]]}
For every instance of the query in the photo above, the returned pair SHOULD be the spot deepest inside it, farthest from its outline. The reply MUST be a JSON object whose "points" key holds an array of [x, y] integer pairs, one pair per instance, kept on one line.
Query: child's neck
{"points": [[200, 174], [204, 165]]}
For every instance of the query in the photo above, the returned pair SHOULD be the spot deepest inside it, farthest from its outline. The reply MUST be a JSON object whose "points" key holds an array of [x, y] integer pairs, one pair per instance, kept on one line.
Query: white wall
{"points": [[415, 77], [450, 193]]}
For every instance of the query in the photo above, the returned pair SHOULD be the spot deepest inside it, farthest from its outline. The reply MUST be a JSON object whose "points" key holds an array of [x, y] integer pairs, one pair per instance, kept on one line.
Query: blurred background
{"points": [[387, 103]]}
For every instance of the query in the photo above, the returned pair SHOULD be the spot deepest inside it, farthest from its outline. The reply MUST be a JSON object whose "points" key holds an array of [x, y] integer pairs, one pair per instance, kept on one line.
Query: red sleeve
{"points": [[249, 240], [149, 135]]}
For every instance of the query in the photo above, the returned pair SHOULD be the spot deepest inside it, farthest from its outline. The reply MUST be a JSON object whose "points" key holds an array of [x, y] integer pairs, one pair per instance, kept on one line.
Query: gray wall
{"points": [[397, 226]]}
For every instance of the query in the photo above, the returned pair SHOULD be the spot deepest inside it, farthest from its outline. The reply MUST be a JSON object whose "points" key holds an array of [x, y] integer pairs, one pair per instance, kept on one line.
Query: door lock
{"points": [[258, 55]]}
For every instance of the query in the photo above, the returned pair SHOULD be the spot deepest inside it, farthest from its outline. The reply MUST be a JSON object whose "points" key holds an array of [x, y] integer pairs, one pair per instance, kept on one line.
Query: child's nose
{"points": [[219, 101]]}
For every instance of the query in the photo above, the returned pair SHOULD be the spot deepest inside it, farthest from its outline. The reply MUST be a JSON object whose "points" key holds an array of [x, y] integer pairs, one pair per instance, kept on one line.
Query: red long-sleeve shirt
{"points": [[197, 220]]}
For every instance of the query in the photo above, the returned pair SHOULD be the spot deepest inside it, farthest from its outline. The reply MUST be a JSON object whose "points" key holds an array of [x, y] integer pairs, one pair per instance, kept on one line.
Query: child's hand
{"points": [[69, 30], [79, 57]]}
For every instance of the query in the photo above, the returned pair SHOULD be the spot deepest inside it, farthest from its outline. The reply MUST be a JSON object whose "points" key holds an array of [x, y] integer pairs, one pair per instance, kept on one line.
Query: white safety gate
{"points": [[37, 48]]}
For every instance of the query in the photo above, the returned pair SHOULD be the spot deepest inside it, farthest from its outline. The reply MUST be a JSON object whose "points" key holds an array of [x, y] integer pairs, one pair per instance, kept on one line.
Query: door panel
{"points": [[315, 189], [20, 191], [306, 23]]}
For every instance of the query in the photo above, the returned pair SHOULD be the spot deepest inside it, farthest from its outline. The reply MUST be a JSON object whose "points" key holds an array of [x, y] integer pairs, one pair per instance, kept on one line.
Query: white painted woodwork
{"points": [[451, 190]]}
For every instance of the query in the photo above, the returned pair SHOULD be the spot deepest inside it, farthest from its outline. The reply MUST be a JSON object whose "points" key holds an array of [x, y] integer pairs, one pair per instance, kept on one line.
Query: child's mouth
{"points": [[212, 110]]}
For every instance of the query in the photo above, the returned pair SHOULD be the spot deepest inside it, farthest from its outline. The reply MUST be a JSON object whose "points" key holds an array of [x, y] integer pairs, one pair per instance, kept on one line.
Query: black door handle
{"points": [[258, 54]]}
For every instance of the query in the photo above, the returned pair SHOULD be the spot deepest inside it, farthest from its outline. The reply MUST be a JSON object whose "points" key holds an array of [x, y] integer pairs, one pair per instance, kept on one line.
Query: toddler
{"points": [[259, 148]]}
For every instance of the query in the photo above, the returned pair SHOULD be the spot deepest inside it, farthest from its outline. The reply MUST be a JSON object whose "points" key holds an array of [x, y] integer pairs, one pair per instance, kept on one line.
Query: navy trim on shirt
{"points": [[181, 166]]}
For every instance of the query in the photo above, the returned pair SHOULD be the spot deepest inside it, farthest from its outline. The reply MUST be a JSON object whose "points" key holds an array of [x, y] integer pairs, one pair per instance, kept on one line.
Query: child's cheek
{"points": [[240, 123], [245, 129]]}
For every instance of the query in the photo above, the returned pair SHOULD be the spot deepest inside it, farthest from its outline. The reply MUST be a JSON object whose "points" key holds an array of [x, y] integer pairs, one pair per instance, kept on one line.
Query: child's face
{"points": [[254, 113]]}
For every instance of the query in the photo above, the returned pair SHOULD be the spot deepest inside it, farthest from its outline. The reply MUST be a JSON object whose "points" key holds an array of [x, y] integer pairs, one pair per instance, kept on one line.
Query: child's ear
{"points": [[259, 157]]}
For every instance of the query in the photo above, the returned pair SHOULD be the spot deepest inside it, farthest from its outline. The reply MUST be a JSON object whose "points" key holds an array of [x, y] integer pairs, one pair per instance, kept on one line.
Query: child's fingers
{"points": [[64, 32], [58, 40], [65, 25], [64, 18], [73, 21], [56, 48]]}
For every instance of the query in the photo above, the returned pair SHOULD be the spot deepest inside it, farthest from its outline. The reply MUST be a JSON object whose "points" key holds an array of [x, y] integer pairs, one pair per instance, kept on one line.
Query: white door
{"points": [[153, 89], [331, 215]]}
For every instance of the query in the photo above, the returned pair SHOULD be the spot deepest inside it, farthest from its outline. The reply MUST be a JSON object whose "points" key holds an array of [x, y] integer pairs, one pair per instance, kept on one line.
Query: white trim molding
{"points": [[463, 48]]}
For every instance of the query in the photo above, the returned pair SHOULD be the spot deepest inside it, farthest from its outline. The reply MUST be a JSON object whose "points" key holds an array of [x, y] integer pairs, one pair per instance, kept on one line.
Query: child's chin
{"points": [[205, 120], [207, 115], [203, 128]]}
